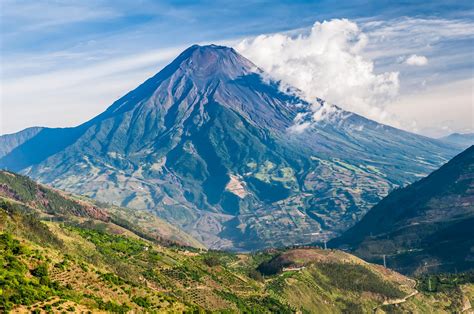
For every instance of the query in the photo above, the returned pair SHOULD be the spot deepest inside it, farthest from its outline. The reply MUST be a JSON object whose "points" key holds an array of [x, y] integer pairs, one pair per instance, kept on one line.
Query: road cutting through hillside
{"points": [[397, 301]]}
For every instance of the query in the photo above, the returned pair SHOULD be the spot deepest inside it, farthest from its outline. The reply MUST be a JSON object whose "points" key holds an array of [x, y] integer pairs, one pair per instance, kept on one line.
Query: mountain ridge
{"points": [[9, 142], [462, 139], [46, 202]]}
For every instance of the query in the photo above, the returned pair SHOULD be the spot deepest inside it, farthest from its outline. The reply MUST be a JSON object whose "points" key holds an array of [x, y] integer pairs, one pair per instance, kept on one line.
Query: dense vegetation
{"points": [[22, 189], [26, 223], [444, 282], [21, 283]]}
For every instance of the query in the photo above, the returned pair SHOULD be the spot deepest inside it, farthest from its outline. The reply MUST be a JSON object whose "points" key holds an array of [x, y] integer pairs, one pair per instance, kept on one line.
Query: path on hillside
{"points": [[397, 301]]}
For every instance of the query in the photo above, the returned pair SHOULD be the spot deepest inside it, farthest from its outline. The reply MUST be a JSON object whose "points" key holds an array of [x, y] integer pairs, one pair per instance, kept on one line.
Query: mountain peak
{"points": [[214, 60], [209, 51]]}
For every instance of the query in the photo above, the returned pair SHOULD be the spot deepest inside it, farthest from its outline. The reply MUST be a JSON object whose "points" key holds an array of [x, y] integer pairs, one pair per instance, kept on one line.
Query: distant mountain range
{"points": [[213, 146], [427, 226], [462, 139]]}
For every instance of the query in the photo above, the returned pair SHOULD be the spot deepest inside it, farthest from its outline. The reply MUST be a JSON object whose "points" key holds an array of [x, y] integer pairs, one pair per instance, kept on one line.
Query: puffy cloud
{"points": [[416, 60], [326, 62]]}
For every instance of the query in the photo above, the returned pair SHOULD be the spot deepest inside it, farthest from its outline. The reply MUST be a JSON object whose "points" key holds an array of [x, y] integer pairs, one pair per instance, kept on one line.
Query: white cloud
{"points": [[416, 60], [326, 62], [358, 67]]}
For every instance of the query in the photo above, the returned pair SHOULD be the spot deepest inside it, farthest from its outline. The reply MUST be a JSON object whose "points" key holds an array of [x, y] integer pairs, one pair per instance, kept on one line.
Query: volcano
{"points": [[212, 145]]}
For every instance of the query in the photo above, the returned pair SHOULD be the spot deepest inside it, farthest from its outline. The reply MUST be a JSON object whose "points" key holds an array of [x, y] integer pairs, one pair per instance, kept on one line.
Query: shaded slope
{"points": [[424, 227], [9, 142]]}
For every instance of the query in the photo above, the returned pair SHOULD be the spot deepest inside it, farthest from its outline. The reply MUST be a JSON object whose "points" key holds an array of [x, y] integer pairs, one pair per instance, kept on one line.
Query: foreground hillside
{"points": [[210, 145], [425, 227], [56, 256]]}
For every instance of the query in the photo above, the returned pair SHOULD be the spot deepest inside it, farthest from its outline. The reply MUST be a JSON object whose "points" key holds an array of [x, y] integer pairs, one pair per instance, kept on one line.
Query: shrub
{"points": [[255, 275], [212, 261], [142, 301]]}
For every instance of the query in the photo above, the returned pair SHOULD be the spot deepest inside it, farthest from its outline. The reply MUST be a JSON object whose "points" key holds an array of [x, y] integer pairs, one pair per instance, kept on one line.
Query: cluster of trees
{"points": [[109, 306], [111, 245], [274, 265], [18, 283], [444, 282]]}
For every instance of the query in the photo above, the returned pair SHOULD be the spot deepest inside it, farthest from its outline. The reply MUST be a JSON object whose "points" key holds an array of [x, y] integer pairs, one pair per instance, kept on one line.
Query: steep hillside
{"points": [[212, 146], [424, 227], [71, 261], [48, 203]]}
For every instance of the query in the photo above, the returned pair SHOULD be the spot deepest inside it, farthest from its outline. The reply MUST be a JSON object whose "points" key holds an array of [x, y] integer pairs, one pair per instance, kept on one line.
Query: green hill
{"points": [[61, 254]]}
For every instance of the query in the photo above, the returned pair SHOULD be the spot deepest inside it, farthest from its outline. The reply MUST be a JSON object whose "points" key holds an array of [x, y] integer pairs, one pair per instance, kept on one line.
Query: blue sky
{"points": [[65, 61]]}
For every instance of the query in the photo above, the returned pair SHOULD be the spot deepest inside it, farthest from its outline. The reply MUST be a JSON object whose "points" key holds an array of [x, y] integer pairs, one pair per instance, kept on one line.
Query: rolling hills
{"points": [[213, 146], [426, 227], [57, 254]]}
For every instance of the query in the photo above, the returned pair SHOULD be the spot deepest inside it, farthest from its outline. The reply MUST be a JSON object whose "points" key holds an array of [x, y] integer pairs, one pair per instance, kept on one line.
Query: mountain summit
{"points": [[211, 146], [213, 62]]}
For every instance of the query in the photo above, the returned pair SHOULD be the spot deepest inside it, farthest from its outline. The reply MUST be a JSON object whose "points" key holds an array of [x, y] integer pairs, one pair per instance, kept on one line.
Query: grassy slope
{"points": [[51, 202], [103, 270], [79, 263]]}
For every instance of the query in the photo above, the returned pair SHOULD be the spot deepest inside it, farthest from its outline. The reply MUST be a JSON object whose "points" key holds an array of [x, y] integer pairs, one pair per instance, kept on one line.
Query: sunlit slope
{"points": [[53, 204]]}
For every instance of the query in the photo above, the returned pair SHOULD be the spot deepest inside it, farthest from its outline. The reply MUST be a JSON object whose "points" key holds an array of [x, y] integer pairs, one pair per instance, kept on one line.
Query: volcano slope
{"points": [[212, 146]]}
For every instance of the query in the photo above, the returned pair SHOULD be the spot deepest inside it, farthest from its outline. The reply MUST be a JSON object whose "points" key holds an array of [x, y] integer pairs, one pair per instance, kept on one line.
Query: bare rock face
{"points": [[210, 145]]}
